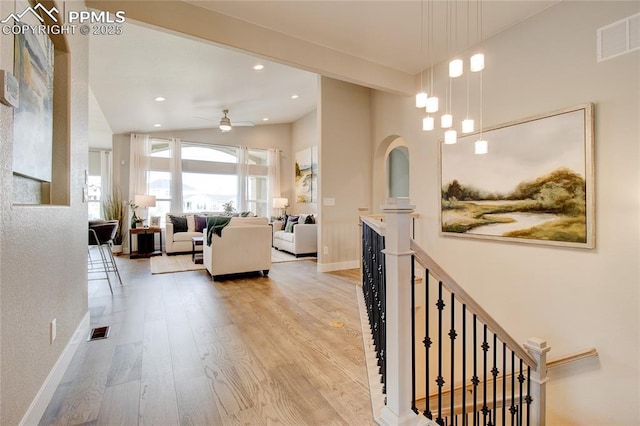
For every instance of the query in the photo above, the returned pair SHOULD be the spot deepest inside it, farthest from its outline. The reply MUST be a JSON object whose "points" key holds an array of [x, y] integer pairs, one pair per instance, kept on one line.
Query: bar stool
{"points": [[101, 234]]}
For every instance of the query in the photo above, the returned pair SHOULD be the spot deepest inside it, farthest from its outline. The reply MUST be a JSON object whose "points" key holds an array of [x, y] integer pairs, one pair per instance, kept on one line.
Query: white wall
{"points": [[100, 133], [304, 135], [43, 272], [573, 298], [345, 171]]}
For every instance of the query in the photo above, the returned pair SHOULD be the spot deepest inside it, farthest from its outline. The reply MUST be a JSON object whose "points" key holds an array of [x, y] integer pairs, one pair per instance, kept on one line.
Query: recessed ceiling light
{"points": [[265, 119], [160, 99], [258, 67], [294, 96], [157, 125]]}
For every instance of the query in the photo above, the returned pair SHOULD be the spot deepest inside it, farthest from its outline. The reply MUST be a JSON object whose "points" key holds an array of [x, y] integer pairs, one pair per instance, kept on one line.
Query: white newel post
{"points": [[398, 314], [538, 349]]}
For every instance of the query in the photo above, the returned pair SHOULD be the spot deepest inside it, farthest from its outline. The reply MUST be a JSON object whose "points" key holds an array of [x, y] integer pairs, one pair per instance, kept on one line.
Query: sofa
{"points": [[244, 246], [299, 239], [179, 241]]}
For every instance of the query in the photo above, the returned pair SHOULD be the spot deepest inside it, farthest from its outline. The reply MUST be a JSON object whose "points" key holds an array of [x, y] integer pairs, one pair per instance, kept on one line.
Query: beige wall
{"points": [[43, 253], [573, 298], [304, 135], [345, 170]]}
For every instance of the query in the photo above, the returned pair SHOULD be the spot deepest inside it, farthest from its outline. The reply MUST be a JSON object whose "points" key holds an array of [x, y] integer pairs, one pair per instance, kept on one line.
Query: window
{"points": [[208, 179], [94, 204], [159, 184], [208, 192], [212, 153]]}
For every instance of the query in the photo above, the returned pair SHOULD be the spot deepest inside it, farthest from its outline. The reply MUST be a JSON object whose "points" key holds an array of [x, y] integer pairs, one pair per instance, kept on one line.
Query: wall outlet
{"points": [[53, 330], [326, 250]]}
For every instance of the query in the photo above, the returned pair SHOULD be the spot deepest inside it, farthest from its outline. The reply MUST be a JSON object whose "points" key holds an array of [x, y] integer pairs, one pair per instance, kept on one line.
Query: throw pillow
{"points": [[200, 223], [291, 222], [179, 223], [309, 219], [191, 223]]}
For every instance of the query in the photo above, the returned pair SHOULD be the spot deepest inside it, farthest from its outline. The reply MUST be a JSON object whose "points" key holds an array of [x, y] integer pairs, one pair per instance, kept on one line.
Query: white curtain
{"points": [[175, 168], [273, 178], [243, 174], [106, 173], [139, 165]]}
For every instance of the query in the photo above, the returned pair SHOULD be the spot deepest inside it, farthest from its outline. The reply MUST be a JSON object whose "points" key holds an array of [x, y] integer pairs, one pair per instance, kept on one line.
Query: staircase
{"points": [[441, 359]]}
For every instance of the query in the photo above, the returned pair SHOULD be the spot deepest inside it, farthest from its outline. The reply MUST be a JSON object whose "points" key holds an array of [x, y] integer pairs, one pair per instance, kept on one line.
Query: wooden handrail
{"points": [[376, 225], [567, 359], [474, 307], [587, 353]]}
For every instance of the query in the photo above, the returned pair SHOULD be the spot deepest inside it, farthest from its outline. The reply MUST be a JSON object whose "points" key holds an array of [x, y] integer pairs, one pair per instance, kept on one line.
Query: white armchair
{"points": [[245, 246]]}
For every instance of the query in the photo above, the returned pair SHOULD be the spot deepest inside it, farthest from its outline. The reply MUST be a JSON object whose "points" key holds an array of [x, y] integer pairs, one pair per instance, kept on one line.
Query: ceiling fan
{"points": [[226, 124]]}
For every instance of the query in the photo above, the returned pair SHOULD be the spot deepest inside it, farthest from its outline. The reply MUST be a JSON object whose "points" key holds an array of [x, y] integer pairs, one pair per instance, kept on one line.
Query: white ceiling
{"points": [[200, 79]]}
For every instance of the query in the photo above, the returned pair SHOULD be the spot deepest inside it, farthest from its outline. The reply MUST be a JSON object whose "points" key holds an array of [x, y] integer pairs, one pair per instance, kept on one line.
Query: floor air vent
{"points": [[99, 333], [619, 38]]}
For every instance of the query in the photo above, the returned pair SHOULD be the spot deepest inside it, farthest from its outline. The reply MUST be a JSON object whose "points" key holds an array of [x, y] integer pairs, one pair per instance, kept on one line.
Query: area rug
{"points": [[179, 263], [182, 262]]}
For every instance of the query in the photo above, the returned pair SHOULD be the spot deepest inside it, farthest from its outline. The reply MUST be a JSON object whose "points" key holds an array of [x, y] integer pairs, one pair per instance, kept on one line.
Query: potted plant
{"points": [[113, 208], [136, 221], [228, 208]]}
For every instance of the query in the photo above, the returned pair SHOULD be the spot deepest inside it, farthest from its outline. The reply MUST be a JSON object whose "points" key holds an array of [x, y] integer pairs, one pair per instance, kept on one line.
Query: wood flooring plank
{"points": [[127, 364], [120, 404], [158, 401], [195, 402]]}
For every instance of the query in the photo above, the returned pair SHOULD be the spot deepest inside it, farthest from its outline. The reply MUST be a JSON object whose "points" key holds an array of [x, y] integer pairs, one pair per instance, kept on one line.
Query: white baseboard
{"points": [[328, 267], [48, 388]]}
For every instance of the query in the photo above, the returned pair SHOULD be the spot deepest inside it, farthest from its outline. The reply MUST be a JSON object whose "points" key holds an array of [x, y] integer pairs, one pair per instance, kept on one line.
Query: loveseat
{"points": [[178, 240], [298, 239], [243, 246]]}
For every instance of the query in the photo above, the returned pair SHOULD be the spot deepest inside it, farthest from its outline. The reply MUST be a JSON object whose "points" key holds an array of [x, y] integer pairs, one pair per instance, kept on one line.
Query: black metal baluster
{"points": [[440, 379], [494, 373], [504, 383], [413, 335], [528, 399], [513, 387], [474, 379], [383, 310], [521, 381], [464, 365], [427, 344], [452, 336], [485, 348]]}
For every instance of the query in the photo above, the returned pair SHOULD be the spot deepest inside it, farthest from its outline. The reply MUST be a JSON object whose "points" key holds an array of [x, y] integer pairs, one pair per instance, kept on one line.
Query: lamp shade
{"points": [[421, 100], [280, 203], [143, 200]]}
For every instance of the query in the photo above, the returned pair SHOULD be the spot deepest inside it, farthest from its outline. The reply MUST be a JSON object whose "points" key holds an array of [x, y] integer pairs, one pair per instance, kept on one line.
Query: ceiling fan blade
{"points": [[242, 123], [207, 119]]}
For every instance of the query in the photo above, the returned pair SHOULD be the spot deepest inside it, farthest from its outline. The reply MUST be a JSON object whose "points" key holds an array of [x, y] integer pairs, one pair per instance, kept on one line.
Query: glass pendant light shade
{"points": [[481, 147], [432, 104], [467, 125], [446, 121], [421, 100], [450, 137], [456, 68], [427, 123], [476, 62]]}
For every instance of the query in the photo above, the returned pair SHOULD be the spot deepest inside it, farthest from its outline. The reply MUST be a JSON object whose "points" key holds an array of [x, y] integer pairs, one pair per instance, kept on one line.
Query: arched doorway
{"points": [[398, 172]]}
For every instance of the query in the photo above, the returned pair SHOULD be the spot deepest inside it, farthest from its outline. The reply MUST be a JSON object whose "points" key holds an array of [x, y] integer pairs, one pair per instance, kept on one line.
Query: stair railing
{"points": [[476, 354]]}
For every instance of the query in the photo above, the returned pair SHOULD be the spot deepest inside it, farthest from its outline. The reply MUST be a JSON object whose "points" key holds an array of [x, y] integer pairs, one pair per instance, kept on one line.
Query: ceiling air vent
{"points": [[619, 38]]}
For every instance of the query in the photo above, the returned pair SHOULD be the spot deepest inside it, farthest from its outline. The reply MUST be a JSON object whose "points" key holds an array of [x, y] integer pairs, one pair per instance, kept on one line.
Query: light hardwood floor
{"points": [[250, 350]]}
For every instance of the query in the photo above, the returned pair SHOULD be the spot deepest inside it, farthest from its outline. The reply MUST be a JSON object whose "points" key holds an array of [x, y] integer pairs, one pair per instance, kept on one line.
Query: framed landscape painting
{"points": [[534, 185], [306, 175], [33, 118]]}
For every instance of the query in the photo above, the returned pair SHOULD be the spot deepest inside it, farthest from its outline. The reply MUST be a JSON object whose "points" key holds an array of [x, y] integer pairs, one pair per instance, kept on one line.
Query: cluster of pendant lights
{"points": [[431, 105]]}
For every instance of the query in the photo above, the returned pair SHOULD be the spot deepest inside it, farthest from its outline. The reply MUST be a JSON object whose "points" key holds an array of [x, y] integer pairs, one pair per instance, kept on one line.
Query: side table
{"points": [[146, 242], [196, 257]]}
